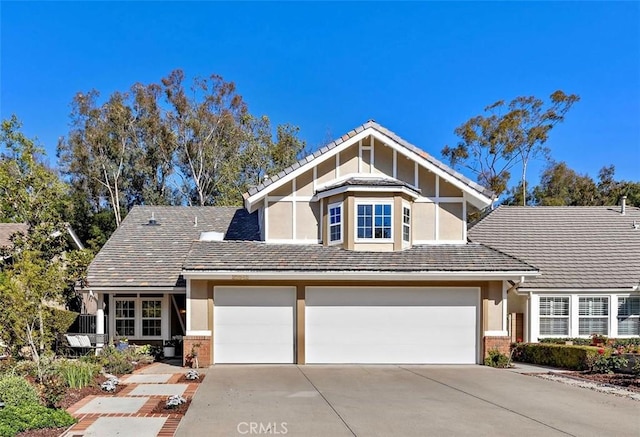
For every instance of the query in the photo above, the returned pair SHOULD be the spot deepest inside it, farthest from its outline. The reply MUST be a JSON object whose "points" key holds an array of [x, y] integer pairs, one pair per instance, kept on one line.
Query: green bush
{"points": [[52, 390], [59, 320], [15, 419], [115, 361], [496, 359], [15, 390], [618, 342], [554, 355]]}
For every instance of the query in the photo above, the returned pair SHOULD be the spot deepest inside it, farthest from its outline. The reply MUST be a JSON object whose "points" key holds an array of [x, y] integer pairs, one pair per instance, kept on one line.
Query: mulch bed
{"points": [[183, 380], [74, 395], [44, 432], [618, 379], [161, 408]]}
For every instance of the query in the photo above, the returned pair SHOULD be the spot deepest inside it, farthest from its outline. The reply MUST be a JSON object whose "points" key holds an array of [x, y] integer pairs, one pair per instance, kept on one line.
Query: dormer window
{"points": [[335, 223], [374, 221]]}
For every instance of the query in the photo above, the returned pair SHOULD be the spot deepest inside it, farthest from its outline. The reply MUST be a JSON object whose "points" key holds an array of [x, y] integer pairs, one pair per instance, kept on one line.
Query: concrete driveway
{"points": [[399, 400]]}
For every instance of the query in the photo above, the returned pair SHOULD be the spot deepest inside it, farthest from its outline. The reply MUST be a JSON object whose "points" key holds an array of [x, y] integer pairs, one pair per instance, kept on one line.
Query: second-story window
{"points": [[374, 221], [406, 224], [335, 223]]}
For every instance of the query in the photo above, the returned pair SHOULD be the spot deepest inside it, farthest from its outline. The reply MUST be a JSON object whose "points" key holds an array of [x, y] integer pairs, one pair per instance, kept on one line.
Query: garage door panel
{"points": [[233, 315], [397, 325], [253, 324]]}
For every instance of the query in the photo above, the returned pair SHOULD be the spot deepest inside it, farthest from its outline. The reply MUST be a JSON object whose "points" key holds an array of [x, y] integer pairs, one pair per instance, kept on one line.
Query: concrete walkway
{"points": [[129, 412]]}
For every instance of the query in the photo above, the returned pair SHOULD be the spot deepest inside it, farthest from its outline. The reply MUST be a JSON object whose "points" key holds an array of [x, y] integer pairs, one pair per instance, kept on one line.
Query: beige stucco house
{"points": [[355, 254]]}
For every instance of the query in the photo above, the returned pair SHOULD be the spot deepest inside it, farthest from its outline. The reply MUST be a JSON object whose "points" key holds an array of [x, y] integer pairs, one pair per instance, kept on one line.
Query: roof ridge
{"points": [[384, 131]]}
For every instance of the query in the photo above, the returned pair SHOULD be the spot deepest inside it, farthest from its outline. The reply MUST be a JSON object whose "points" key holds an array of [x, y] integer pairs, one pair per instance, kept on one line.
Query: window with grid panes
{"points": [[125, 317], [554, 316], [151, 318], [629, 315], [593, 315]]}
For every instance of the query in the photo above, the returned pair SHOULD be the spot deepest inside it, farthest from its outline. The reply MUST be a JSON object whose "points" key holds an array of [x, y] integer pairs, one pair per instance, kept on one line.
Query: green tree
{"points": [[170, 143], [510, 134], [39, 269]]}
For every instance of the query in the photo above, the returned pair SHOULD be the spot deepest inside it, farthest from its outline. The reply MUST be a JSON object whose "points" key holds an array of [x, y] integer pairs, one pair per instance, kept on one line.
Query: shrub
{"points": [[15, 419], [115, 361], [52, 390], [110, 384], [496, 359], [15, 390], [554, 355], [608, 362]]}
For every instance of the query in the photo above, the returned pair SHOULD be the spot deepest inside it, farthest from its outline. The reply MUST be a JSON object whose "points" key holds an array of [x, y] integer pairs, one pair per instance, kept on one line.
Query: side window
{"points": [[335, 223]]}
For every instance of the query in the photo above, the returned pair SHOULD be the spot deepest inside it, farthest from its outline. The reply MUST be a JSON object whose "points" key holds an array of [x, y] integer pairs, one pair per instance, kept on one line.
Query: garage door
{"points": [[253, 324], [391, 325]]}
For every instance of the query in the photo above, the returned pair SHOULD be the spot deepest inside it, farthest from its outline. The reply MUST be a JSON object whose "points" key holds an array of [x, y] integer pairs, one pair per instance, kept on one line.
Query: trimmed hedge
{"points": [[577, 341], [554, 355]]}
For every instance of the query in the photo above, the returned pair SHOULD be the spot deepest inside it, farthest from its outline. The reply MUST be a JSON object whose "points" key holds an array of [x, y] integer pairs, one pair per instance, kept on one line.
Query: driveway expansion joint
{"points": [[487, 401], [327, 401]]}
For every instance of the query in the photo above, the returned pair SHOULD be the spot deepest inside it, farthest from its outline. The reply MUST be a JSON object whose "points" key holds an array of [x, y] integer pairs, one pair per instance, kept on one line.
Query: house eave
{"points": [[245, 275], [589, 290], [476, 198]]}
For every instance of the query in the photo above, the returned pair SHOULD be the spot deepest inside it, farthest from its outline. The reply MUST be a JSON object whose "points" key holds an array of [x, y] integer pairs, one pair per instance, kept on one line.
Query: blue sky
{"points": [[420, 69]]}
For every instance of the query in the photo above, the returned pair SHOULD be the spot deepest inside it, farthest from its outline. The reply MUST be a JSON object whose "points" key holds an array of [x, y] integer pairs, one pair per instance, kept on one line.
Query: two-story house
{"points": [[358, 253]]}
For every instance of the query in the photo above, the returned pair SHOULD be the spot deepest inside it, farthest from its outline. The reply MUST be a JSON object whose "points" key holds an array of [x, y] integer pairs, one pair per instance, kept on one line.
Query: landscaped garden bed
{"points": [[180, 409], [35, 393]]}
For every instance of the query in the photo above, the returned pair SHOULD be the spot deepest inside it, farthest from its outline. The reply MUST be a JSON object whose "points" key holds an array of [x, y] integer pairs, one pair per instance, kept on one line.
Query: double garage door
{"points": [[380, 325]]}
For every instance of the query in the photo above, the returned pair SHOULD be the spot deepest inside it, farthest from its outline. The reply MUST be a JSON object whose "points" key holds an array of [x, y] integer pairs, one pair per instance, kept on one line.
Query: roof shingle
{"points": [[574, 247], [140, 255], [260, 256]]}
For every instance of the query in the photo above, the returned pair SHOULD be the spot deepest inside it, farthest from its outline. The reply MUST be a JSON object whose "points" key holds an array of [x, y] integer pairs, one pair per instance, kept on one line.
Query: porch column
{"points": [[100, 317]]}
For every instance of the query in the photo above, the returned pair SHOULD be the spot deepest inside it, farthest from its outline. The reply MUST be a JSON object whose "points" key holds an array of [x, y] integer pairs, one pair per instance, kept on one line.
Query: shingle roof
{"points": [[260, 256], [574, 247], [139, 255], [370, 124], [8, 229]]}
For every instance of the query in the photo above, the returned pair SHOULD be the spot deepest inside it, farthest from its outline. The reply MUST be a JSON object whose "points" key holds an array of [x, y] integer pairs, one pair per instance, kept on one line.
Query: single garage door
{"points": [[391, 325], [253, 324]]}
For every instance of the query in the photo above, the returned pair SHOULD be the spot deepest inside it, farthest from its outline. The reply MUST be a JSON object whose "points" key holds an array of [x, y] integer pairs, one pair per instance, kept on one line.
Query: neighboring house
{"points": [[589, 260], [355, 254], [8, 230]]}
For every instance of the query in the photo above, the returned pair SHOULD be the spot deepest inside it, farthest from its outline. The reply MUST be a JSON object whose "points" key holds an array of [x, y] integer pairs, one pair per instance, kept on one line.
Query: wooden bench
{"points": [[76, 344]]}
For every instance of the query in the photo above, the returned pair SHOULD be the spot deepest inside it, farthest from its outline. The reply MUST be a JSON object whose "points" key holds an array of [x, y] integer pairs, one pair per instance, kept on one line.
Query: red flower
{"points": [[601, 351]]}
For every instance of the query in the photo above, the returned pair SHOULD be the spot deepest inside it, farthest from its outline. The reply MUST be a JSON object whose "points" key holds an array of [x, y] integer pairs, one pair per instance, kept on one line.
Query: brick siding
{"points": [[204, 350]]}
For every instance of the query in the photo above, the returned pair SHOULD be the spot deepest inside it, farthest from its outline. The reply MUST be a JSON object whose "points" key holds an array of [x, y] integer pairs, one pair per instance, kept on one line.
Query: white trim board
{"points": [[475, 197]]}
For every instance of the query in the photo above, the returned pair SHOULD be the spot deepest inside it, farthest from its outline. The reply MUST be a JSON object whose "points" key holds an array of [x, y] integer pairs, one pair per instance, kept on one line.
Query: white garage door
{"points": [[391, 325], [253, 324]]}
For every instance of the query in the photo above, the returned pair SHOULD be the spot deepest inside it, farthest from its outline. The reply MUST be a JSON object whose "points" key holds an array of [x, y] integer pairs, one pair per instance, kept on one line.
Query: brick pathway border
{"points": [[85, 420]]}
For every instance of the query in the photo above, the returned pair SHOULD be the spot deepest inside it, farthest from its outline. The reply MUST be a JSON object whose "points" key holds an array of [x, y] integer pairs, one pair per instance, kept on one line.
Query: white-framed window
{"points": [[629, 315], [593, 315], [125, 317], [151, 317], [554, 316], [406, 224], [335, 223], [374, 221], [140, 317]]}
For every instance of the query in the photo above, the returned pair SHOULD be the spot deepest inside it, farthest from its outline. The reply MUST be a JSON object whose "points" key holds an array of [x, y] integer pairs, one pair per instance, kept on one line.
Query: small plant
{"points": [[608, 361], [78, 374], [496, 359], [598, 340], [110, 384], [175, 401], [192, 375], [15, 390]]}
